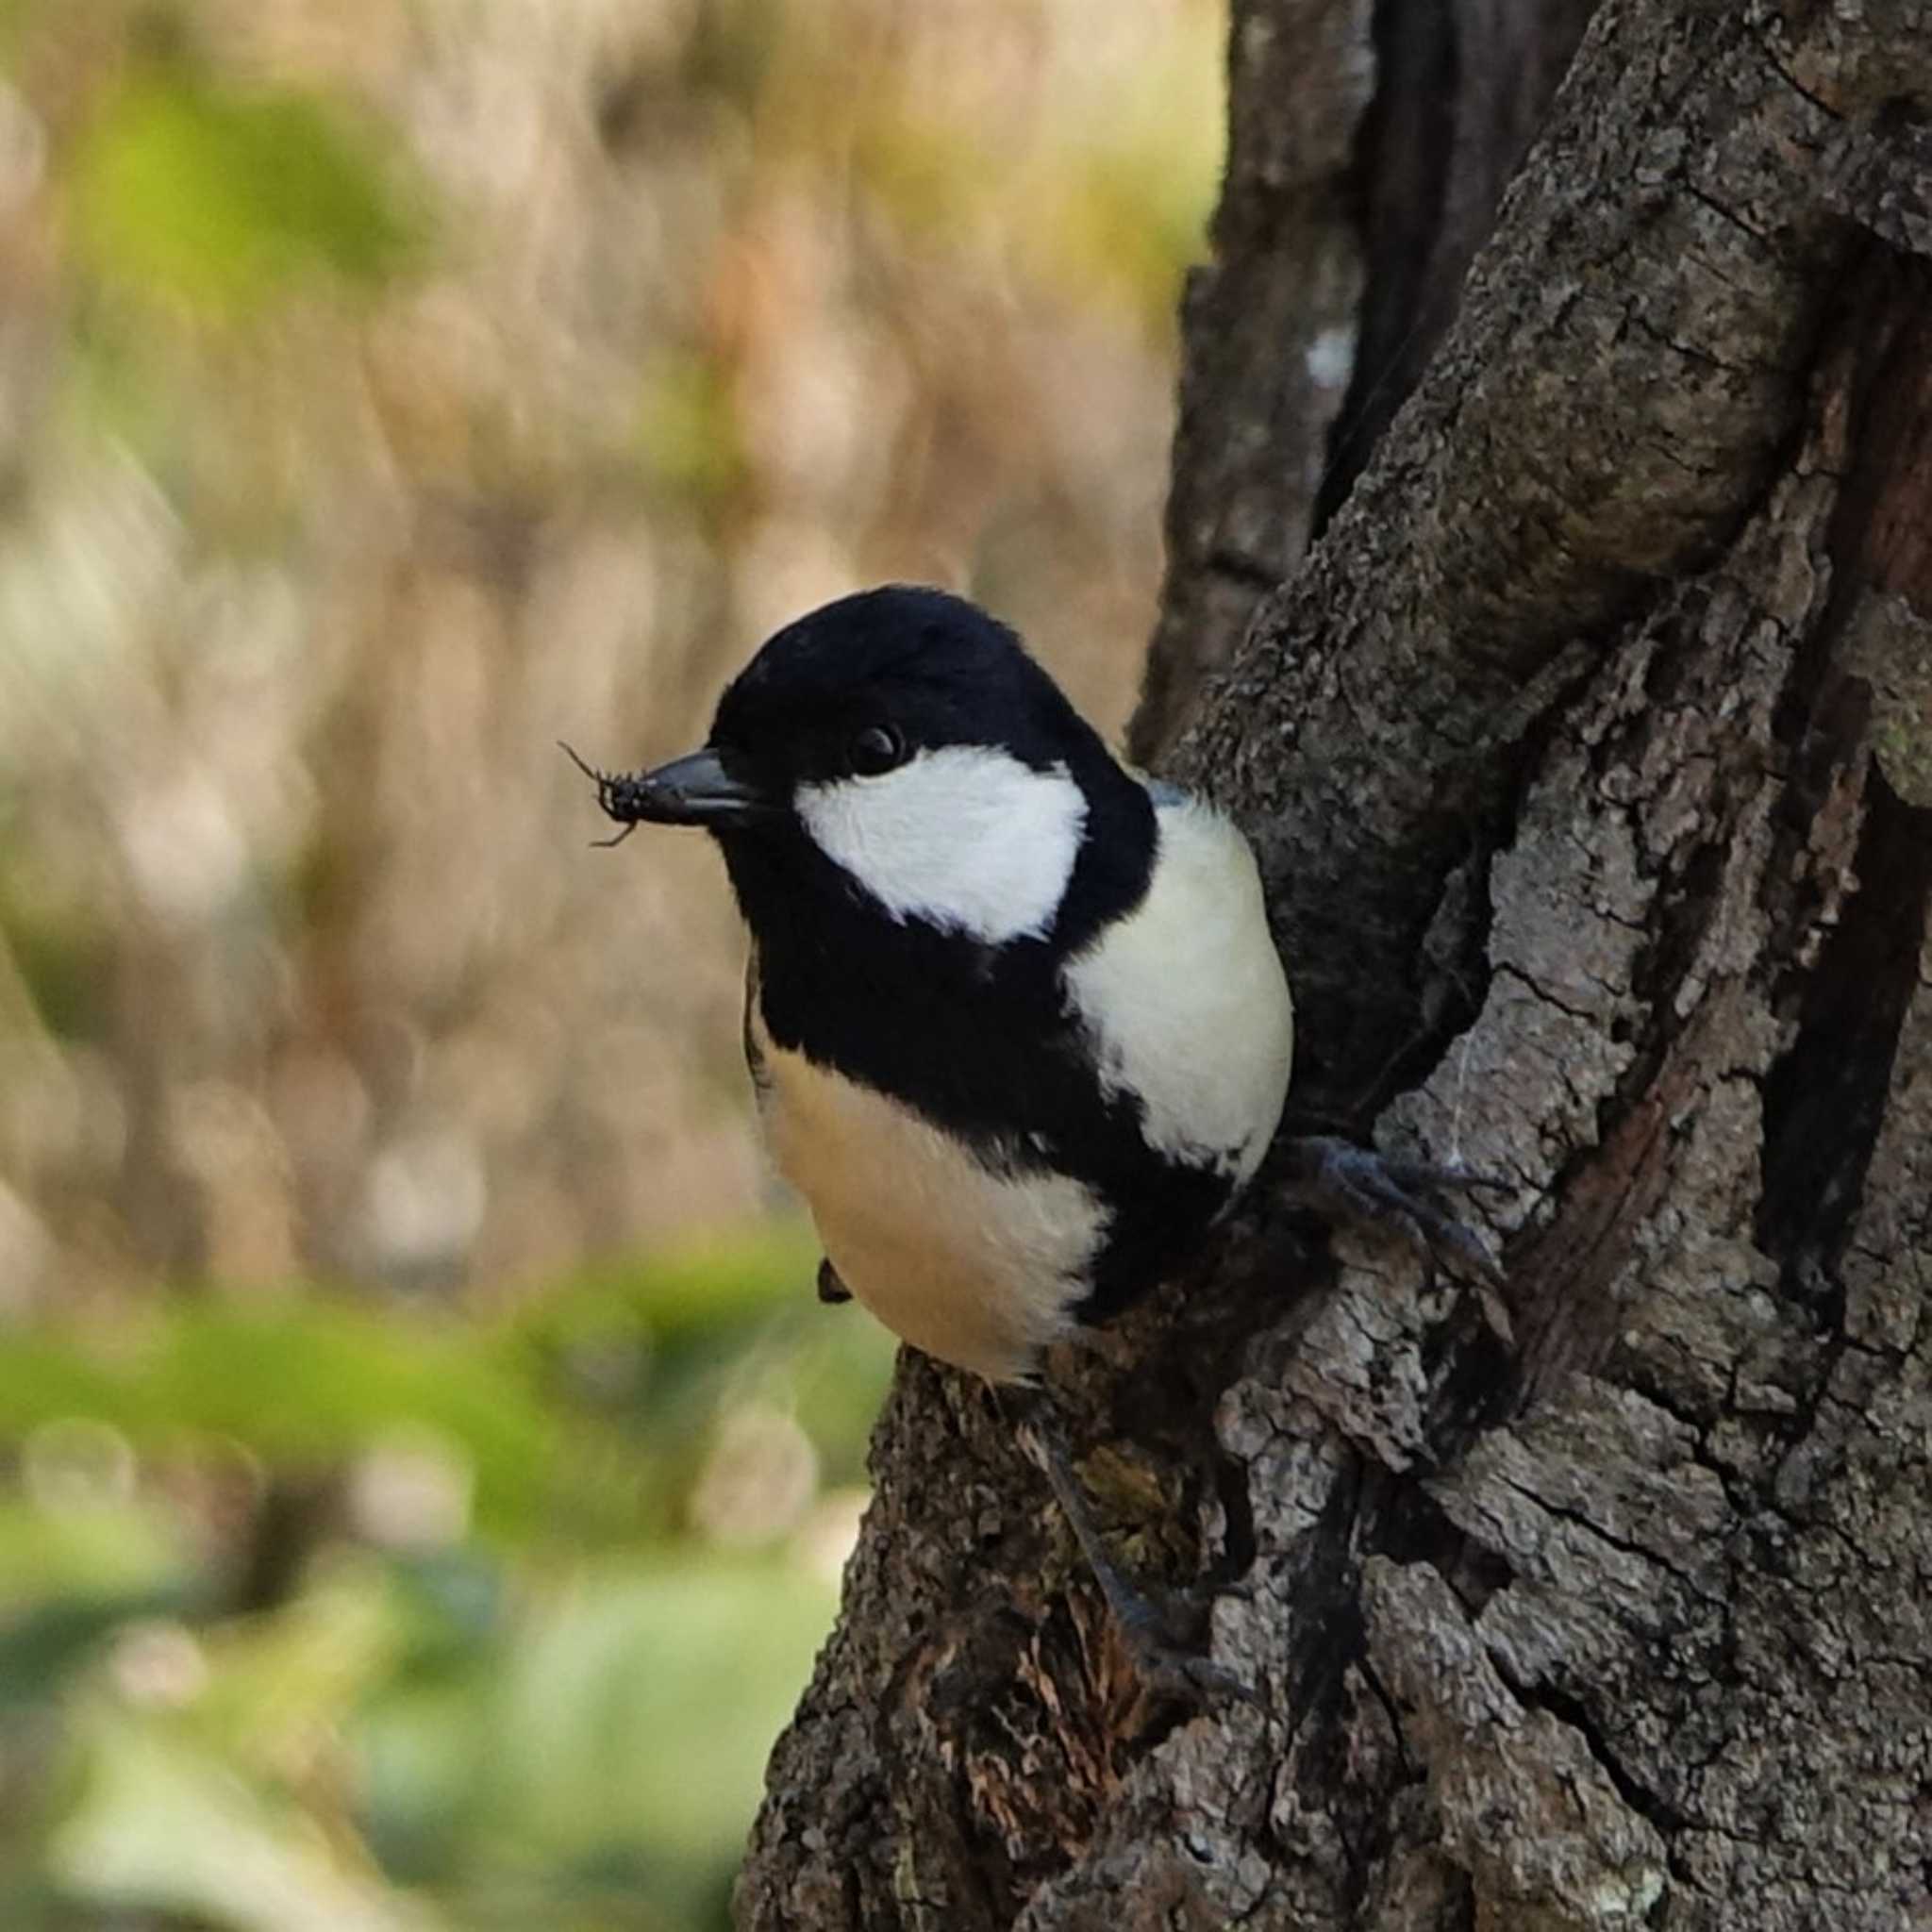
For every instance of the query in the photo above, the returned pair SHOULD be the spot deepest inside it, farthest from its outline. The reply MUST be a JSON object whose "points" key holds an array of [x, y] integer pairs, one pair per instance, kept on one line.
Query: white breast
{"points": [[1185, 999], [977, 1267]]}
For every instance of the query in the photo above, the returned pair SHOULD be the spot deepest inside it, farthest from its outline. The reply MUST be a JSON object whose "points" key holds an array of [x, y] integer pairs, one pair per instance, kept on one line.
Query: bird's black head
{"points": [[899, 756], [876, 680]]}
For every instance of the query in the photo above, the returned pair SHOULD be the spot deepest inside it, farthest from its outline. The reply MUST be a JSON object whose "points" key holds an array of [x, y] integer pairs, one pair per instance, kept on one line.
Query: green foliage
{"points": [[522, 1727], [299, 1385], [658, 1353], [602, 1742], [164, 1825], [189, 190]]}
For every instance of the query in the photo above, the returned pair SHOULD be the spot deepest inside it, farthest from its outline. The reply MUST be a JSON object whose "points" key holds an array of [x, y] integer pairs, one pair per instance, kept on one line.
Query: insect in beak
{"points": [[696, 790]]}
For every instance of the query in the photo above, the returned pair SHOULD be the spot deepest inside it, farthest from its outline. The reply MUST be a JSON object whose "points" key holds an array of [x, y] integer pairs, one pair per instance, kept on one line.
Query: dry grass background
{"points": [[698, 315], [389, 388]]}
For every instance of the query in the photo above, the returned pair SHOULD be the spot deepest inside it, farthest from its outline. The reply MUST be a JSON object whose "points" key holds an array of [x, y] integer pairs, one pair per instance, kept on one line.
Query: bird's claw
{"points": [[1388, 1192], [1176, 1670], [1167, 1667]]}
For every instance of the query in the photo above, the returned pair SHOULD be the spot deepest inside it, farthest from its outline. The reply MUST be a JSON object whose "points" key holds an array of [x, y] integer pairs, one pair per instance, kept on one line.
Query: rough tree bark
{"points": [[1369, 141], [1590, 756]]}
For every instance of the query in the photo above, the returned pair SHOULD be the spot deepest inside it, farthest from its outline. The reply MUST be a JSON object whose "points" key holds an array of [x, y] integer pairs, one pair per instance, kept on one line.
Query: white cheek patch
{"points": [[964, 837]]}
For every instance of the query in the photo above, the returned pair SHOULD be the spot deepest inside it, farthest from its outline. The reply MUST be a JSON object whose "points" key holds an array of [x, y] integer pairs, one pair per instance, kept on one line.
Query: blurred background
{"points": [[424, 1470]]}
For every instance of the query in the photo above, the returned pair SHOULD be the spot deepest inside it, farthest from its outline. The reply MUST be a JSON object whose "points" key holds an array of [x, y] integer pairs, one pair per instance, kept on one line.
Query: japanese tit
{"points": [[1017, 1027]]}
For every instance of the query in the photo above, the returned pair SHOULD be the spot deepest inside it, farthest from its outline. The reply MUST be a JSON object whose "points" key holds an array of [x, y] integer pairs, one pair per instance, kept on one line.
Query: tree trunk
{"points": [[1590, 758], [1368, 144]]}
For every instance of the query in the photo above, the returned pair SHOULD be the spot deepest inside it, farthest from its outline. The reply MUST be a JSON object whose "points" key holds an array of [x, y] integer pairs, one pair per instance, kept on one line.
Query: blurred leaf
{"points": [[161, 1825], [615, 1704], [420, 1746], [280, 1681], [97, 1549], [310, 1380], [665, 1342], [453, 1601], [609, 1752], [590, 1754], [313, 1379], [44, 1378], [692, 1291], [37, 1650], [840, 1381], [303, 1382], [186, 190]]}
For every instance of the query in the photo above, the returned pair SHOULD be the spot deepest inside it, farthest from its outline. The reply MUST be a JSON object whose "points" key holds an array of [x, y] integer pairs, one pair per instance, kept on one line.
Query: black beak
{"points": [[692, 791]]}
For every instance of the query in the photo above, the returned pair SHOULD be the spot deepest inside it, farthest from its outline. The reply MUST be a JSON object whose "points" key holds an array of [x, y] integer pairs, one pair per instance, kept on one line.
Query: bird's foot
{"points": [[1387, 1195], [1167, 1664]]}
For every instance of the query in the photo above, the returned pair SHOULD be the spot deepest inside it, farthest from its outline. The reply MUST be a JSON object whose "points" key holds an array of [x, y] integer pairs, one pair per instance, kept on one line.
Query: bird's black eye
{"points": [[876, 749]]}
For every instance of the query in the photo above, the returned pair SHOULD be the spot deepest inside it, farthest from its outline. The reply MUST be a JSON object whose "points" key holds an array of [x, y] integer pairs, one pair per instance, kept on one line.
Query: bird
{"points": [[1017, 1025]]}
